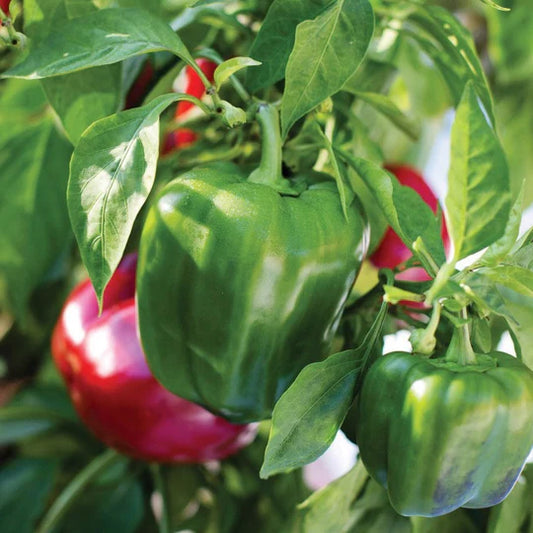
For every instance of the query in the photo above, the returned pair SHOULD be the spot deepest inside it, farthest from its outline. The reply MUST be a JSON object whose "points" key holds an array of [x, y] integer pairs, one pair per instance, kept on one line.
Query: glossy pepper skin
{"points": [[439, 436], [115, 394], [262, 278]]}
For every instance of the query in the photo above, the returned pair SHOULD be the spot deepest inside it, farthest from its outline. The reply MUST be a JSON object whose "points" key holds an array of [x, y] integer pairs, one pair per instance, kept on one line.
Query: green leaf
{"points": [[406, 212], [273, 44], [511, 42], [113, 507], [510, 515], [33, 214], [456, 522], [389, 109], [230, 67], [339, 172], [84, 97], [495, 5], [479, 198], [450, 46], [507, 291], [111, 174], [35, 410], [25, 486], [316, 72], [102, 38], [498, 250], [330, 509], [308, 415]]}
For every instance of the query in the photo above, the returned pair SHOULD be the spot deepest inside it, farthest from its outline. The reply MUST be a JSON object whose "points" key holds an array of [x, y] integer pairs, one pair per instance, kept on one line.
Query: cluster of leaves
{"points": [[371, 89]]}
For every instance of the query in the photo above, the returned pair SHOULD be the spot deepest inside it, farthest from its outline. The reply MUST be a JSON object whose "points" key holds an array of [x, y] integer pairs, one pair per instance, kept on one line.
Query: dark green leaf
{"points": [[406, 212], [33, 215], [25, 485], [107, 508], [102, 38], [389, 109], [316, 72], [275, 39], [450, 46], [479, 198], [307, 416], [111, 174]]}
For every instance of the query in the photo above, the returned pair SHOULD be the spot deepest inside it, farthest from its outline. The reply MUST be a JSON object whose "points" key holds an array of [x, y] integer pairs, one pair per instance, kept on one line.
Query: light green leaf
{"points": [[102, 38], [111, 174], [333, 508], [498, 250], [389, 109], [316, 72], [230, 67], [479, 198], [408, 215], [495, 5], [339, 172], [451, 47]]}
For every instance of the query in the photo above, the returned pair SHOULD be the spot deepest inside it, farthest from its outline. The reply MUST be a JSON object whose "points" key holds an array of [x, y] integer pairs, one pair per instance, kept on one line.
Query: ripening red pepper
{"points": [[114, 392], [139, 88], [4, 6], [190, 83], [391, 251]]}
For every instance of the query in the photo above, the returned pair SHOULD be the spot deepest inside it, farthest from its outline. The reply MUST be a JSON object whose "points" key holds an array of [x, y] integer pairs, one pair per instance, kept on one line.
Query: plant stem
{"points": [[460, 350], [159, 482], [269, 170], [74, 489]]}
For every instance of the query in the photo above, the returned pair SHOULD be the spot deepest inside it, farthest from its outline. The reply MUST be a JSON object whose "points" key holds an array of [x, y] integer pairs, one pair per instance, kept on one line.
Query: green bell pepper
{"points": [[440, 435], [242, 280]]}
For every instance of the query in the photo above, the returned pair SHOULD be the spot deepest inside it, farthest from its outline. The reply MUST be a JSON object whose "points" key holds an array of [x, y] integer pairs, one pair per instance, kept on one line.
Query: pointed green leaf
{"points": [[111, 174], [230, 67], [384, 105], [479, 198], [498, 250], [308, 415], [101, 38], [408, 215], [316, 72], [272, 51]]}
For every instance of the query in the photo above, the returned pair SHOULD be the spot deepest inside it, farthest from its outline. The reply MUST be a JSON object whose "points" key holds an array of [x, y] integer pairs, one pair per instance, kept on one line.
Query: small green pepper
{"points": [[441, 435]]}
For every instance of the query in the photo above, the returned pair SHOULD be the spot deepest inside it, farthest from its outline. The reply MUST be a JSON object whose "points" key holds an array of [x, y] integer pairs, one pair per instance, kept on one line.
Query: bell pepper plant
{"points": [[268, 161]]}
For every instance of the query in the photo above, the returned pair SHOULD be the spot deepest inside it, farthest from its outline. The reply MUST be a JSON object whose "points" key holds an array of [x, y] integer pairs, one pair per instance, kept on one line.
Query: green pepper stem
{"points": [[269, 170], [460, 350]]}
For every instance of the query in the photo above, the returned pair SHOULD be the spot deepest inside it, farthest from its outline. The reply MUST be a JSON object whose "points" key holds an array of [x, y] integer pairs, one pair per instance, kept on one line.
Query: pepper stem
{"points": [[460, 350], [269, 170]]}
